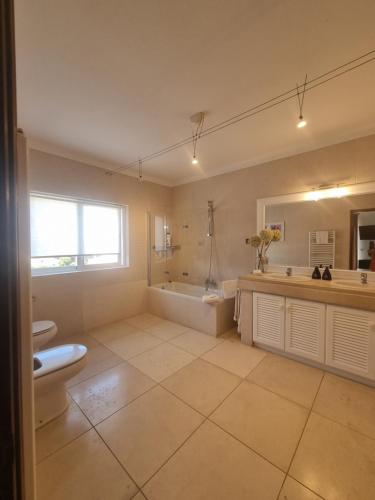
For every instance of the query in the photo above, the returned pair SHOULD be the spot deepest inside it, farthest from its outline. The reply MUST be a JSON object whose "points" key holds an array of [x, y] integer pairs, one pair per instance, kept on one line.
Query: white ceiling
{"points": [[107, 81]]}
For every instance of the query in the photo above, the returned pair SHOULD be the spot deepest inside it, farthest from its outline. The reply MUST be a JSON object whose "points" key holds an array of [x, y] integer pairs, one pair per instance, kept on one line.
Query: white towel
{"points": [[237, 309], [322, 237], [211, 298], [229, 288]]}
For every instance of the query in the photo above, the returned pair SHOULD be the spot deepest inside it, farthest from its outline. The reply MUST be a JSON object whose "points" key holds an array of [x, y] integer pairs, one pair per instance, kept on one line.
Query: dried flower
{"points": [[255, 241], [266, 235], [276, 235]]}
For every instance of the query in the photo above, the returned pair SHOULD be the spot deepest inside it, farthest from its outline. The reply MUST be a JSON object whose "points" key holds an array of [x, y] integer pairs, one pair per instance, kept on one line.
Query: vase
{"points": [[260, 261]]}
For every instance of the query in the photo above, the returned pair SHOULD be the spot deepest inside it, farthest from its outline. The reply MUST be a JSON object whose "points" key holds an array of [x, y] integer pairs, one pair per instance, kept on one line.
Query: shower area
{"points": [[182, 274]]}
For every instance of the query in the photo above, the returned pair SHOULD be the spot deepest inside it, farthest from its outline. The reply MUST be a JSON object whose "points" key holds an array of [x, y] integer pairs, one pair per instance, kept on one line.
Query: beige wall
{"points": [[80, 301], [300, 218], [235, 194]]}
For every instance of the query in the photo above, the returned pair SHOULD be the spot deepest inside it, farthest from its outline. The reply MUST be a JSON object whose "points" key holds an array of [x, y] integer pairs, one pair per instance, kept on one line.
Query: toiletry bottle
{"points": [[316, 274], [327, 274]]}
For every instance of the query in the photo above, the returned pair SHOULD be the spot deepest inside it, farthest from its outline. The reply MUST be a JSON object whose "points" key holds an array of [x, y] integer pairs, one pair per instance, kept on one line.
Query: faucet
{"points": [[288, 271], [210, 284], [364, 278]]}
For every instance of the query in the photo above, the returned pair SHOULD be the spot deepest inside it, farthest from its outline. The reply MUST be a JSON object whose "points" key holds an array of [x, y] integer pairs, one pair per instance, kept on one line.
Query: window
{"points": [[75, 235]]}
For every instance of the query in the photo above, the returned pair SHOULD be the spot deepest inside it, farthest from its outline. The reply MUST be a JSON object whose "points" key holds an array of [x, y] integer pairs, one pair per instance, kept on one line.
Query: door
{"points": [[268, 319], [305, 329], [350, 340]]}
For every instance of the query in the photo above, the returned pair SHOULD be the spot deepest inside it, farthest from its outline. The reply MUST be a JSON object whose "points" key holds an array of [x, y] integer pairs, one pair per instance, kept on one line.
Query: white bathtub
{"points": [[182, 303]]}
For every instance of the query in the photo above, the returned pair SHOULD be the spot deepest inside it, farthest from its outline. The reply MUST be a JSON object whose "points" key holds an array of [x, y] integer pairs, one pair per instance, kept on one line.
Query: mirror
{"points": [[336, 231]]}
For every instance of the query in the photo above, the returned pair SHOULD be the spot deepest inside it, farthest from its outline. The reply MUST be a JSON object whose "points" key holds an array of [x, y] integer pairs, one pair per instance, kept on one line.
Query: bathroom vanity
{"points": [[330, 324]]}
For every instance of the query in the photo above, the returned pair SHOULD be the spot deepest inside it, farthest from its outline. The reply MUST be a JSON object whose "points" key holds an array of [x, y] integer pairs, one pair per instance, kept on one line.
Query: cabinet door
{"points": [[305, 329], [350, 340], [268, 319]]}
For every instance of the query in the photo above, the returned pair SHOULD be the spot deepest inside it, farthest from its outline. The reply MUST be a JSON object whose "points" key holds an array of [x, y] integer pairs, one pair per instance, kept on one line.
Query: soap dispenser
{"points": [[327, 274], [316, 274]]}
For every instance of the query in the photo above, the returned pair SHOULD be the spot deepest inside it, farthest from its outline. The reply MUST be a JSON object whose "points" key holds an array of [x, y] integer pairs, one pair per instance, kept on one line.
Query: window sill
{"points": [[77, 271]]}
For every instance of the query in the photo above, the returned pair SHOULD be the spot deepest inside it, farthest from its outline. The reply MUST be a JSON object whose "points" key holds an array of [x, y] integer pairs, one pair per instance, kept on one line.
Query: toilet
{"points": [[52, 369]]}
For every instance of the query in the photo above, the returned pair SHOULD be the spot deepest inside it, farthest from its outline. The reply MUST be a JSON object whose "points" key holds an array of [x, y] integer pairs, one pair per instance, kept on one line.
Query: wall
{"points": [[78, 302], [310, 216], [235, 194]]}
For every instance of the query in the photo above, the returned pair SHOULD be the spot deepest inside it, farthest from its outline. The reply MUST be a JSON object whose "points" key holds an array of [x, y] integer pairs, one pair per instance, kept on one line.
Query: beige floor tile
{"points": [[61, 431], [162, 361], [144, 434], [347, 402], [139, 496], [268, 423], [334, 461], [292, 490], [112, 331], [202, 385], [293, 380], [131, 344], [231, 334], [144, 320], [195, 342], [235, 357], [212, 465], [166, 330], [107, 392], [99, 358], [86, 470]]}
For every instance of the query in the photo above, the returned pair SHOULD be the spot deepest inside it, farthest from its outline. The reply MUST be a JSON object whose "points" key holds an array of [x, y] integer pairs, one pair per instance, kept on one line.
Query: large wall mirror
{"points": [[323, 227]]}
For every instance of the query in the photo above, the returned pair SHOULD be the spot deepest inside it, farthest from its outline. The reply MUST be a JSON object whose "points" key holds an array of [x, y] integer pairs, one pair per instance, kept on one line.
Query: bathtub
{"points": [[182, 303]]}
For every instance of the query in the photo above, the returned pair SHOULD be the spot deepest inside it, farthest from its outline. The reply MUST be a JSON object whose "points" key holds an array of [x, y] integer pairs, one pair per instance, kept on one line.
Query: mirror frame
{"points": [[263, 203]]}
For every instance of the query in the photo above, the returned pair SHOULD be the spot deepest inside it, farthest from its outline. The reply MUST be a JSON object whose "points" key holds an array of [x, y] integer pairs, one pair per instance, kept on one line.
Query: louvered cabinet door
{"points": [[305, 329], [268, 319], [350, 340]]}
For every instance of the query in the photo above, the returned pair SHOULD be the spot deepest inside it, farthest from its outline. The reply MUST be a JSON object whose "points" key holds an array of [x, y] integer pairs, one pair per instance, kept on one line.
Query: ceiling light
{"points": [[301, 122], [194, 161]]}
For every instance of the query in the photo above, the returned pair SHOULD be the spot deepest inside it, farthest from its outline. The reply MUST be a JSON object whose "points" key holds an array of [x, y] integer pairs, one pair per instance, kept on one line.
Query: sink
{"points": [[296, 277], [355, 284]]}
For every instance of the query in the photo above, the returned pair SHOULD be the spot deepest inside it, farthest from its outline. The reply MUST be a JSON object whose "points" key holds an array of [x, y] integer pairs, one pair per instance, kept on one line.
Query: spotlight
{"points": [[301, 122]]}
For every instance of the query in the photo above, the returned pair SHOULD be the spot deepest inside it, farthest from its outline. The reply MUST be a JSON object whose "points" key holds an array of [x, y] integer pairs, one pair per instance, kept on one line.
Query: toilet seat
{"points": [[58, 358], [40, 327]]}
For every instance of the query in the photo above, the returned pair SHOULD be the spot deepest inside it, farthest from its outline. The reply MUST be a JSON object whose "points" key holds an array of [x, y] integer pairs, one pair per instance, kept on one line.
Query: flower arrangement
{"points": [[262, 243]]}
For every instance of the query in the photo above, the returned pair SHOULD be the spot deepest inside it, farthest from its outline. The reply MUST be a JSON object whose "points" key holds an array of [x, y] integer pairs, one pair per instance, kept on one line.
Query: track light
{"points": [[197, 120], [301, 122]]}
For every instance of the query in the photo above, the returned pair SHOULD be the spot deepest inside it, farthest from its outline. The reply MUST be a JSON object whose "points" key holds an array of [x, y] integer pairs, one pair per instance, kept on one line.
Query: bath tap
{"points": [[210, 284], [364, 278], [288, 271]]}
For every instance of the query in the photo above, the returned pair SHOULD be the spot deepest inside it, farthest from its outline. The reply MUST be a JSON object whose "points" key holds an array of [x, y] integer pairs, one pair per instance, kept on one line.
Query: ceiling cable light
{"points": [[140, 172], [197, 119], [301, 97]]}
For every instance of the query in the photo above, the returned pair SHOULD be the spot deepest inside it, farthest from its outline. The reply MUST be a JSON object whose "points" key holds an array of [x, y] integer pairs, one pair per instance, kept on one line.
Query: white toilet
{"points": [[52, 369]]}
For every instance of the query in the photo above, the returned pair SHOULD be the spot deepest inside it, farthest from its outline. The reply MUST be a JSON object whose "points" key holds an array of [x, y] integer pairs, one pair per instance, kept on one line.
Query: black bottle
{"points": [[327, 274], [316, 274]]}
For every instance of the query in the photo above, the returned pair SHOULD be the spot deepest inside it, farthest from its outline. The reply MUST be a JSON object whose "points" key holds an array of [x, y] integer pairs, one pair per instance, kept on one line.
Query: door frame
{"points": [[11, 459], [353, 254]]}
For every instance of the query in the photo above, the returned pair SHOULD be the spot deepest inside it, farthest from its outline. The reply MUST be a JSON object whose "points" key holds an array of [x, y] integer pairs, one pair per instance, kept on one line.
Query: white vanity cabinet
{"points": [[305, 329], [335, 336], [350, 340], [268, 319]]}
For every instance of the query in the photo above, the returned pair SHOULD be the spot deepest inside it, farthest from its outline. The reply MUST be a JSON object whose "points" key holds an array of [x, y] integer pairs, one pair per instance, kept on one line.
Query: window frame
{"points": [[123, 255]]}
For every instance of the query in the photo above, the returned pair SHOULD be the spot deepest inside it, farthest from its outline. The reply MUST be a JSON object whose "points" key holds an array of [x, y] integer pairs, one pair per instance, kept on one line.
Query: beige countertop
{"points": [[338, 291]]}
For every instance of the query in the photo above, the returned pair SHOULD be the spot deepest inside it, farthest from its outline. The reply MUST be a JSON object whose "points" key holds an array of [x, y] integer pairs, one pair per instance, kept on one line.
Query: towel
{"points": [[322, 237], [211, 298], [229, 288], [237, 309]]}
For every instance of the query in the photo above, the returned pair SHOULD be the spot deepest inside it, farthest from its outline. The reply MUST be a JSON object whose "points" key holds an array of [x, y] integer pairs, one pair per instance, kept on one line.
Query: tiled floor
{"points": [[163, 412]]}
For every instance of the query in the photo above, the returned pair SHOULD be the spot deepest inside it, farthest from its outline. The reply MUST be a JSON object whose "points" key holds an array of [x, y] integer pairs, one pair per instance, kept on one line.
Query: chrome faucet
{"points": [[364, 278], [288, 271]]}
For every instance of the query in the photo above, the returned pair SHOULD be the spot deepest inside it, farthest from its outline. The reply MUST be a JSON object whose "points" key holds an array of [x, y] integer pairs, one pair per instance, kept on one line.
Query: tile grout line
{"points": [[300, 439]]}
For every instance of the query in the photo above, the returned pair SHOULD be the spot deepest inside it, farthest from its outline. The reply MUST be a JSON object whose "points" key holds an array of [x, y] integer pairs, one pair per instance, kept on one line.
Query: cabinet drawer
{"points": [[268, 319], [350, 340], [305, 329]]}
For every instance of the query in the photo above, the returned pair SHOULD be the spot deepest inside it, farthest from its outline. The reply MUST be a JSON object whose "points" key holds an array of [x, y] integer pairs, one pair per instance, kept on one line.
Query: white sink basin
{"points": [[355, 284], [296, 277]]}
